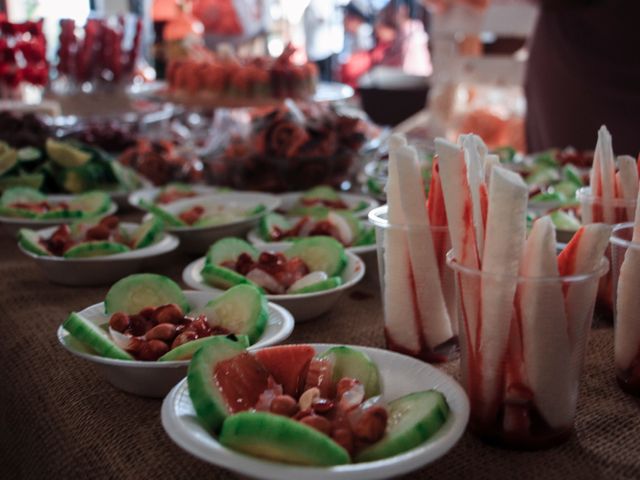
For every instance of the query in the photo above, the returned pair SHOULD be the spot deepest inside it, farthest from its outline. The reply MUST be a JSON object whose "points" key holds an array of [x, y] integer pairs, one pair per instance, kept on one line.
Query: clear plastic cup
{"points": [[626, 323], [419, 321], [521, 372], [592, 210]]}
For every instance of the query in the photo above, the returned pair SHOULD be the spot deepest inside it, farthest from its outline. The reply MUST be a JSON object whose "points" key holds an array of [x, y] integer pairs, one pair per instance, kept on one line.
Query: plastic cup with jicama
{"points": [[524, 313], [625, 256], [610, 199], [412, 241]]}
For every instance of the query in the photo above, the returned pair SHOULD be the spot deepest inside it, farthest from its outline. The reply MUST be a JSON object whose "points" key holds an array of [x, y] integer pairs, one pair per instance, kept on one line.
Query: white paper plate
{"points": [[196, 240], [289, 200], [100, 270], [400, 375], [303, 306], [150, 194], [155, 379]]}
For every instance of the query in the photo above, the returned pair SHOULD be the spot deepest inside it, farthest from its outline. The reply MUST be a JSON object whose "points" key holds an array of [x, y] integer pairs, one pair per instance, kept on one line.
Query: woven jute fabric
{"points": [[62, 420]]}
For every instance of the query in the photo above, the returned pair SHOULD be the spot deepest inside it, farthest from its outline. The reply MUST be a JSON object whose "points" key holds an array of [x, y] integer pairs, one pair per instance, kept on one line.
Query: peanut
{"points": [[344, 438], [98, 232], [170, 313], [152, 350], [319, 423], [322, 405], [148, 313], [284, 405], [183, 338], [163, 331], [307, 398], [119, 321], [110, 222], [371, 425], [138, 325]]}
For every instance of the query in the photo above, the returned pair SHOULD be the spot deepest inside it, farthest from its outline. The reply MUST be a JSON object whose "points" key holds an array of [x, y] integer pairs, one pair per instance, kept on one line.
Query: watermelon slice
{"points": [[288, 364], [545, 339]]}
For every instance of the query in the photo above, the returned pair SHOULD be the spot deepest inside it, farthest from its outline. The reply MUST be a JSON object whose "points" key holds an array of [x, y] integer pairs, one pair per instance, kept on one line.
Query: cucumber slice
{"points": [[367, 237], [347, 225], [566, 188], [135, 292], [17, 212], [95, 337], [210, 406], [95, 249], [257, 210], [324, 254], [242, 310], [327, 284], [413, 419], [60, 214], [268, 224], [168, 218], [543, 176], [29, 155], [66, 155], [565, 221], [222, 277], [127, 178], [281, 439], [21, 195], [572, 174], [30, 180], [147, 233], [348, 362], [546, 159], [91, 203], [321, 192], [229, 249], [186, 350], [8, 161], [30, 241], [548, 197]]}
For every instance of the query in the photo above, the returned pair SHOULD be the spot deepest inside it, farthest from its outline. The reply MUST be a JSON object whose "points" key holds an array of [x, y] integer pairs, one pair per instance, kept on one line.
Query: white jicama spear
{"points": [[545, 339], [582, 255], [504, 242], [604, 152], [627, 182], [457, 201], [434, 318], [490, 161], [472, 145], [627, 328], [399, 304]]}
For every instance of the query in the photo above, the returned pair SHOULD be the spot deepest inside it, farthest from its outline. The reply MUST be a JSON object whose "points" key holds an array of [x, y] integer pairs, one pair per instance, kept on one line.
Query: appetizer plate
{"points": [[289, 200], [102, 270], [155, 379], [13, 224], [363, 251], [197, 240], [303, 306], [150, 194], [399, 375]]}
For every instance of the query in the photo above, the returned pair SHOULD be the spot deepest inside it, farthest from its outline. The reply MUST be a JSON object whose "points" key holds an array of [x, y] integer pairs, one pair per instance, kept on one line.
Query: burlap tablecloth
{"points": [[61, 420]]}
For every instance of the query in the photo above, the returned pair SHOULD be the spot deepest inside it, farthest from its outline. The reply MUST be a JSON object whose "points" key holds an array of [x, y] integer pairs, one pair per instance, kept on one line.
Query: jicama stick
{"points": [[490, 161], [434, 317], [399, 304], [606, 188], [506, 231], [545, 339], [471, 145], [627, 328], [627, 182]]}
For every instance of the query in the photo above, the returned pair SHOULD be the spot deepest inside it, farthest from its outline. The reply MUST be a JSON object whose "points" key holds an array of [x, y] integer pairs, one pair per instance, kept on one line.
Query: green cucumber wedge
{"points": [[30, 241], [186, 350], [8, 161], [30, 180], [241, 310], [91, 203], [65, 154], [413, 419], [95, 337], [229, 249], [168, 218], [321, 192], [53, 214], [21, 195], [147, 233], [324, 254], [279, 438], [565, 221], [328, 284], [348, 362], [211, 408], [270, 222], [135, 292], [95, 249], [28, 155], [222, 277]]}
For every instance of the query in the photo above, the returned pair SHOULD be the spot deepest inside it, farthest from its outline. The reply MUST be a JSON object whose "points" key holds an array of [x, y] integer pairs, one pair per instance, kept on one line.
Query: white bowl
{"points": [[303, 306], [13, 224], [400, 375], [196, 240], [150, 194], [363, 251], [289, 200], [155, 379], [102, 270]]}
